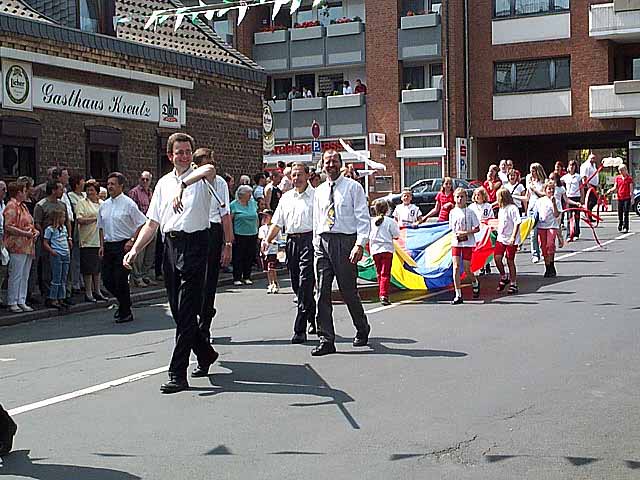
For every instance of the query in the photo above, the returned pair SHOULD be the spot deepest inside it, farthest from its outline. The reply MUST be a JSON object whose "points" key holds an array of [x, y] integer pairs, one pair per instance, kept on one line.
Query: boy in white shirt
{"points": [[406, 213], [464, 224]]}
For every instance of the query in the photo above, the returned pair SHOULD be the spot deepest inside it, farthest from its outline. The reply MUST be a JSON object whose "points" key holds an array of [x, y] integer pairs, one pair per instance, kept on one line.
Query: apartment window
{"points": [[635, 69], [282, 87], [515, 8], [423, 141], [414, 7], [97, 16], [532, 75], [413, 78], [330, 11], [435, 72], [223, 28]]}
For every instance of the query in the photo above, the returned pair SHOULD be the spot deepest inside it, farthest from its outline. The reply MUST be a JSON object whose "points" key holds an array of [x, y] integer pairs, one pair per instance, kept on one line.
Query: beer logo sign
{"points": [[17, 84], [170, 112]]}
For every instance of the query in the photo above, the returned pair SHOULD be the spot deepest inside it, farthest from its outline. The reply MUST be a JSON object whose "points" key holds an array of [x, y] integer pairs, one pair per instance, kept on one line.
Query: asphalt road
{"points": [[542, 385]]}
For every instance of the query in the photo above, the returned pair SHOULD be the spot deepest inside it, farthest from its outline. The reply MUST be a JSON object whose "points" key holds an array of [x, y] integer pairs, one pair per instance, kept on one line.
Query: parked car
{"points": [[425, 191], [636, 200]]}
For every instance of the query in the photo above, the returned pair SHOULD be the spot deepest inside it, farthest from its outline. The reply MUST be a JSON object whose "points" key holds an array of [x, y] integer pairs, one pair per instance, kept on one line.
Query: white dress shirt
{"points": [[217, 210], [119, 218], [352, 211], [196, 204], [295, 211], [586, 170]]}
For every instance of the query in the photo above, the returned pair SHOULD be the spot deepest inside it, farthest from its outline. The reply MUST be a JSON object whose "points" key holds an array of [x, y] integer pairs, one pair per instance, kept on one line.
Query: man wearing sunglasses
{"points": [[141, 195]]}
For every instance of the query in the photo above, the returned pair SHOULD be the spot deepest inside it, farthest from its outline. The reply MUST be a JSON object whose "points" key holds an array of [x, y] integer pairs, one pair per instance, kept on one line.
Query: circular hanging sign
{"points": [[17, 84], [267, 119], [315, 129]]}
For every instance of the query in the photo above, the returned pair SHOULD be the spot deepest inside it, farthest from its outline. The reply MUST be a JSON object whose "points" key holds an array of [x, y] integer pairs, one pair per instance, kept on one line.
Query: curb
{"points": [[142, 296]]}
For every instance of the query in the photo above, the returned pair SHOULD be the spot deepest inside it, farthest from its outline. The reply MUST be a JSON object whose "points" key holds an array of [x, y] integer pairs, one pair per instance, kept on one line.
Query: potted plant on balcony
{"points": [[271, 34]]}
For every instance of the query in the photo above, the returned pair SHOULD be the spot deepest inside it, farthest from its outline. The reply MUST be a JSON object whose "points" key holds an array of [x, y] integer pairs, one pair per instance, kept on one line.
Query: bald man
{"points": [[144, 266]]}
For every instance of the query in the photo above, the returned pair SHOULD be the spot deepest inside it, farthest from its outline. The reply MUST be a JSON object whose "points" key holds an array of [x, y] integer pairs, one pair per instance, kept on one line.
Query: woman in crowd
{"points": [[623, 186], [572, 182], [19, 238], [244, 213], [493, 183], [444, 202], [535, 190], [406, 213], [89, 239], [76, 182], [517, 191]]}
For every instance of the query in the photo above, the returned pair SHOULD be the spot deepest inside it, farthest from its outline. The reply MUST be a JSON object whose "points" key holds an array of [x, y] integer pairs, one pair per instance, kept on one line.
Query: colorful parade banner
{"points": [[422, 257]]}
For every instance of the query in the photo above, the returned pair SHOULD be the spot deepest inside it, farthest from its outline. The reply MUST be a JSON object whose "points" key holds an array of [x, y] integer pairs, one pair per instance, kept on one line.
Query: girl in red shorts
{"points": [[464, 224], [548, 225], [508, 240]]}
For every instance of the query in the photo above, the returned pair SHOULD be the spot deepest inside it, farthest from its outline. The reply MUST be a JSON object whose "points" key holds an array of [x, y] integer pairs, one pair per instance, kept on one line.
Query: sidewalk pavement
{"points": [[81, 305]]}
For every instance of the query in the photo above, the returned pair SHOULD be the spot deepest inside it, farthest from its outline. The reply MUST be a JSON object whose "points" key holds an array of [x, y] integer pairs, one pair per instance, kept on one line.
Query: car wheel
{"points": [[637, 208]]}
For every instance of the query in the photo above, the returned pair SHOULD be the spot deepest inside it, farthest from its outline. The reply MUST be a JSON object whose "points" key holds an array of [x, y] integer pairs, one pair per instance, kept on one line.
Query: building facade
{"points": [[82, 91]]}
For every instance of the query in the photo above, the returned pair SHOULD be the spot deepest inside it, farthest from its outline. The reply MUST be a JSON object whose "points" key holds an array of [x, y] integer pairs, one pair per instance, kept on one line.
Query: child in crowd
{"points": [[535, 190], [57, 243], [406, 213], [517, 191], [562, 201], [269, 252], [508, 239], [383, 231], [573, 181], [548, 225], [623, 187], [483, 211], [444, 202], [464, 224]]}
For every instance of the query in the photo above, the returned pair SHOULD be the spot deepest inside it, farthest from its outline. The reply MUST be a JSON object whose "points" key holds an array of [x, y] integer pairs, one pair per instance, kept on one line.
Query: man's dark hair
{"points": [[257, 177], [281, 165], [74, 180], [179, 137], [204, 155], [54, 173], [52, 185], [118, 176], [331, 152]]}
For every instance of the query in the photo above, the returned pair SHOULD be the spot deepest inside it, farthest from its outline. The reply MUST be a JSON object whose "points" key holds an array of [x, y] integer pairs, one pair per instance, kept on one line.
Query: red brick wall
{"points": [[591, 64]]}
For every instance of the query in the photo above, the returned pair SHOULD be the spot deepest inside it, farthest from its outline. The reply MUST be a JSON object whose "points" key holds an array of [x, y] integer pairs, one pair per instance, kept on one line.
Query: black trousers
{"points": [[576, 217], [623, 213], [592, 200], [300, 265], [244, 254], [214, 252], [5, 422], [115, 276], [184, 279]]}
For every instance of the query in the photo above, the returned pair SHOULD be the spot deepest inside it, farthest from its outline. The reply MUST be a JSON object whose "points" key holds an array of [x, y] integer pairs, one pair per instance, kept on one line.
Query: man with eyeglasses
{"points": [[141, 195], [180, 207]]}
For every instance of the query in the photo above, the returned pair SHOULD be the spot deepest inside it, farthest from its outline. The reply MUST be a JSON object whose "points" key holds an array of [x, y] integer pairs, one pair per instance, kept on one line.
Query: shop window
{"points": [[416, 169], [413, 78], [96, 16], [17, 157], [517, 8], [423, 141], [532, 75]]}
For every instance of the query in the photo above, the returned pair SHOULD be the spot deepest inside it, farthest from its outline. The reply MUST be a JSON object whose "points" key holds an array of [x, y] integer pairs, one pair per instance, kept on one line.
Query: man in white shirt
{"points": [[180, 207], [293, 216], [119, 222], [220, 239], [588, 172], [341, 225]]}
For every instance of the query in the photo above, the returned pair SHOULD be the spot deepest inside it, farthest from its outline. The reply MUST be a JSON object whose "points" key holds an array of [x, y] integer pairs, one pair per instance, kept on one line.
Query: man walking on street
{"points": [[8, 429], [220, 239], [341, 225], [119, 222], [141, 195], [588, 172], [294, 215], [180, 206]]}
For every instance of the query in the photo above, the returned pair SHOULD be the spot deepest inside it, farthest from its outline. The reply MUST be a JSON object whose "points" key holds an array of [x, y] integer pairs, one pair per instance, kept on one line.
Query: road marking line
{"points": [[595, 247], [408, 300], [7, 359]]}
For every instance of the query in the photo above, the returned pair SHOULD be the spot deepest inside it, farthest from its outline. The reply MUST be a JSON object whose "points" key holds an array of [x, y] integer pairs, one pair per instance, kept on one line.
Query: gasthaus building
{"points": [[84, 86]]}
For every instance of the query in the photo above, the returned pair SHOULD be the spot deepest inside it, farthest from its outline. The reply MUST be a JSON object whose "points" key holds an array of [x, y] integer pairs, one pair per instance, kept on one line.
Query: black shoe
{"points": [[125, 318], [553, 273], [362, 340], [476, 290], [547, 271], [325, 348], [299, 338], [174, 385], [6, 440], [385, 301], [312, 330], [619, 228], [116, 315], [203, 370], [457, 301], [99, 297], [68, 302], [90, 299]]}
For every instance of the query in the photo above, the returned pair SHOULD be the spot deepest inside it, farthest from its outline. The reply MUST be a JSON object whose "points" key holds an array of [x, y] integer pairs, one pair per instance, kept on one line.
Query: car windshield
{"points": [[422, 186]]}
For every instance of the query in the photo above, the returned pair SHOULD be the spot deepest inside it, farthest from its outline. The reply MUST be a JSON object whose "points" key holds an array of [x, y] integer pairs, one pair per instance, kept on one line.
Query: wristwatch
{"points": [[228, 244]]}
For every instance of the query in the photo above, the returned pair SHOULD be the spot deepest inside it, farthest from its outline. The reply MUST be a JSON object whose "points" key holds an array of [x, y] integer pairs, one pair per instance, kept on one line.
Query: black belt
{"points": [[299, 235], [182, 235]]}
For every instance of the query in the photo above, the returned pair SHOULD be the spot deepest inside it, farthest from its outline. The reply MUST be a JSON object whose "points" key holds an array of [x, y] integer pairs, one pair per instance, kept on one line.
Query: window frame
{"points": [[553, 10], [553, 77]]}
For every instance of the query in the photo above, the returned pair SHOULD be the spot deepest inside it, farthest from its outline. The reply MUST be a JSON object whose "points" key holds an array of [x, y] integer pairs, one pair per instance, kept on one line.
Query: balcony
{"points": [[620, 100], [421, 110], [281, 119], [310, 48], [420, 37], [346, 115], [615, 21], [304, 111], [556, 103]]}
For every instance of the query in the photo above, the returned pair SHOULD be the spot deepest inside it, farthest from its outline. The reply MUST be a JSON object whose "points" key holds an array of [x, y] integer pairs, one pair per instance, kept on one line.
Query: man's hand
{"points": [[225, 258], [128, 246], [177, 201], [356, 254], [129, 259]]}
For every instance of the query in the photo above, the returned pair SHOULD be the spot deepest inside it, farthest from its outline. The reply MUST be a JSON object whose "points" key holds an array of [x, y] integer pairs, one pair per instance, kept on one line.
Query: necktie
{"points": [[331, 212]]}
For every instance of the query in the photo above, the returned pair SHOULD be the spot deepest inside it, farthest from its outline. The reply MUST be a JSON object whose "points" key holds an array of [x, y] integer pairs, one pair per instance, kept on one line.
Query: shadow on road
{"points": [[18, 463]]}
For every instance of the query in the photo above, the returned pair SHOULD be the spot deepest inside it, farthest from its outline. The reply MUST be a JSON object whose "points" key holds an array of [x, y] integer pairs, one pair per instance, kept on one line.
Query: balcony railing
{"points": [[421, 110], [420, 37], [281, 119], [620, 100], [346, 115], [605, 22], [311, 47]]}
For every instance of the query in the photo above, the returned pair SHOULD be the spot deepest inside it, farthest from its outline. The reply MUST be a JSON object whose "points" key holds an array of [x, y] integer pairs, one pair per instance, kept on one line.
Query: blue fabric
{"points": [[58, 239], [59, 273], [245, 219]]}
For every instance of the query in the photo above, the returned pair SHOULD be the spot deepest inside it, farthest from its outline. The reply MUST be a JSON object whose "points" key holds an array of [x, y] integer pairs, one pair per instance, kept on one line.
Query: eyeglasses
{"points": [[145, 179], [183, 152]]}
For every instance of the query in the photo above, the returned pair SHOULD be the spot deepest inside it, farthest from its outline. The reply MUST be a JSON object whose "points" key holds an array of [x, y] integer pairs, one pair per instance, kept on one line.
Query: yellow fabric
{"points": [[88, 234]]}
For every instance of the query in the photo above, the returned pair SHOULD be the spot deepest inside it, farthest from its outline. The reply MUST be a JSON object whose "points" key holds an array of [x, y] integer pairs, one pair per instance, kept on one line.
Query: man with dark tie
{"points": [[341, 225]]}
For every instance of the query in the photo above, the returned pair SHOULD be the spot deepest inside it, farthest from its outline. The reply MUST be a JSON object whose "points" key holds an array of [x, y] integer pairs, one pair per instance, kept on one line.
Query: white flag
{"points": [[242, 11], [276, 7], [362, 157]]}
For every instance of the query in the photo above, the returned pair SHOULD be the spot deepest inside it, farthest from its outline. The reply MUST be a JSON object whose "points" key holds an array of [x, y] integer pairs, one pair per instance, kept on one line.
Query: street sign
{"points": [[377, 139], [316, 147], [461, 157], [315, 130]]}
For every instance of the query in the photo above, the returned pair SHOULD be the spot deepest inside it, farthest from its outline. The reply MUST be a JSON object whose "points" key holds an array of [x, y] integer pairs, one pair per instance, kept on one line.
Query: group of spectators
{"points": [[345, 89]]}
